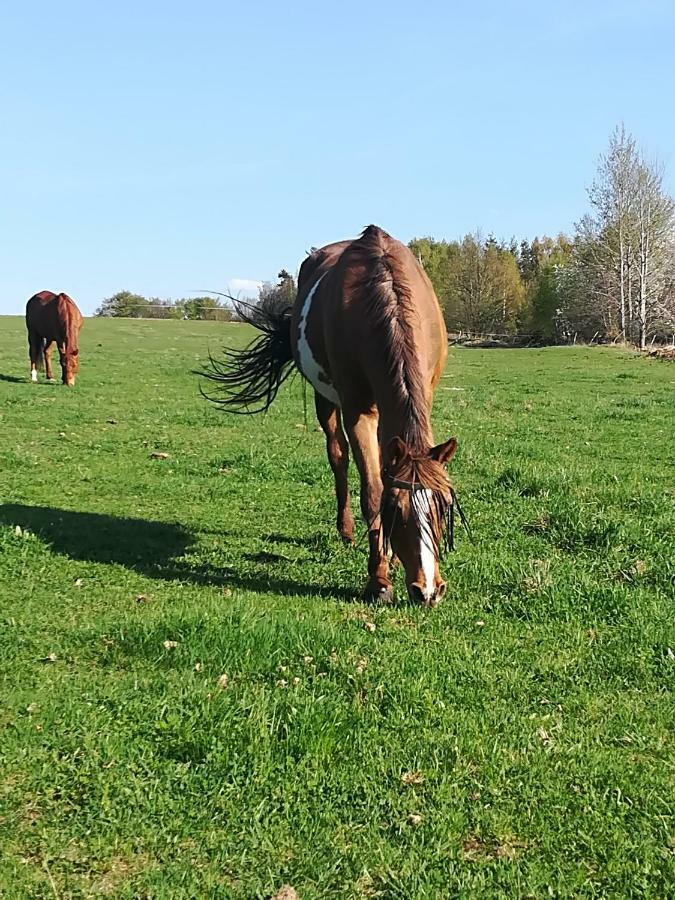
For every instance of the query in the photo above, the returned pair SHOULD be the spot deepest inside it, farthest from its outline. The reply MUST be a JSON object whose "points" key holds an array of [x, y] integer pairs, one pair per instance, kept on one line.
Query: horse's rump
{"points": [[376, 326], [319, 261], [54, 317]]}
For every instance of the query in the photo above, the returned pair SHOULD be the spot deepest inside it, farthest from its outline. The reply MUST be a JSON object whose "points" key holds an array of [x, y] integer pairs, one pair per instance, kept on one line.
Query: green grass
{"points": [[532, 711]]}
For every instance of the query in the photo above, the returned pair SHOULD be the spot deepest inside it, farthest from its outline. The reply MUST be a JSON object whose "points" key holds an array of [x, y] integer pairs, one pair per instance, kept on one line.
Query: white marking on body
{"points": [[33, 374], [422, 500], [309, 367]]}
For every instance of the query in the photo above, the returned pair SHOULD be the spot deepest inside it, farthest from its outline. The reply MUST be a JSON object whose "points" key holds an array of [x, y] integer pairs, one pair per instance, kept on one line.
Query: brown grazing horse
{"points": [[53, 317], [368, 334]]}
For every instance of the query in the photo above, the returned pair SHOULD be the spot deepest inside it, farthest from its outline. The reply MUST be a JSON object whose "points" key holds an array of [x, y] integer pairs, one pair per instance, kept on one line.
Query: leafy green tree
{"points": [[124, 304], [487, 292], [204, 308], [547, 285], [477, 281], [438, 258], [160, 309], [279, 296]]}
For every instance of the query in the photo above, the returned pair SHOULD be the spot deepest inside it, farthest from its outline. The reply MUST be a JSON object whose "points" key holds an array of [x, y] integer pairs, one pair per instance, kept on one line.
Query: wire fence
{"points": [[461, 336], [170, 311]]}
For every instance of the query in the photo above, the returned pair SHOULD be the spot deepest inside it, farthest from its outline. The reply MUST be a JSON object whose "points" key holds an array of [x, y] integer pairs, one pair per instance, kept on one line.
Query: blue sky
{"points": [[172, 147]]}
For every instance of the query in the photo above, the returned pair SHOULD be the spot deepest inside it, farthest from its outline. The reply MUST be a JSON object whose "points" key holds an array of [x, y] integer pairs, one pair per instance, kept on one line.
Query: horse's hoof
{"points": [[386, 596], [347, 538], [382, 595]]}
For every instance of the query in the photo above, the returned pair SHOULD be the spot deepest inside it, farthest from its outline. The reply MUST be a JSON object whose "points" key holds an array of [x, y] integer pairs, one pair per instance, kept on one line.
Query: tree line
{"points": [[612, 279], [218, 307], [126, 304]]}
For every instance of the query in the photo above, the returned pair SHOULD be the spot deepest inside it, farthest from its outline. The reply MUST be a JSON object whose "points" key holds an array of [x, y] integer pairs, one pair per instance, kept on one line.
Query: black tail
{"points": [[248, 380]]}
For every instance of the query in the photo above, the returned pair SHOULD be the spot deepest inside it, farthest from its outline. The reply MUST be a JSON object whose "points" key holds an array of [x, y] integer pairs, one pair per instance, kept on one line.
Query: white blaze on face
{"points": [[421, 499], [309, 367]]}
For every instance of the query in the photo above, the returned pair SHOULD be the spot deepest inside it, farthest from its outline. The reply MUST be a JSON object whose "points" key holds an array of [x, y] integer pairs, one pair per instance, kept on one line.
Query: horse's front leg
{"points": [[362, 431], [63, 359], [337, 449]]}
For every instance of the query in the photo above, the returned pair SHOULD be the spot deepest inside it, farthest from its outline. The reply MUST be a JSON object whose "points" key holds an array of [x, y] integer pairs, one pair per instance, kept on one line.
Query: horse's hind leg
{"points": [[337, 449], [47, 353], [35, 349]]}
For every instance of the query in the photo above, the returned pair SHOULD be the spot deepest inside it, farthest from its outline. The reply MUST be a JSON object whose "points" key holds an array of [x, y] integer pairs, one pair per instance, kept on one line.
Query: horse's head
{"points": [[415, 503], [70, 366]]}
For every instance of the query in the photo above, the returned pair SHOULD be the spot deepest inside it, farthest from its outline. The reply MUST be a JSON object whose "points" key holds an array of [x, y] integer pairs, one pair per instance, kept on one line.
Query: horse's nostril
{"points": [[416, 593]]}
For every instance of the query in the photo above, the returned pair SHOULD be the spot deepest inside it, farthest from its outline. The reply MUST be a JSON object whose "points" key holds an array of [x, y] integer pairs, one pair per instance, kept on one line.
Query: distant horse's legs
{"points": [[47, 352], [63, 359], [362, 431], [338, 456], [35, 349]]}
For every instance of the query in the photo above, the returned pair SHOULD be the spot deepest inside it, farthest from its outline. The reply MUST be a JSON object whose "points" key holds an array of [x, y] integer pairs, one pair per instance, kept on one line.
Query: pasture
{"points": [[196, 704]]}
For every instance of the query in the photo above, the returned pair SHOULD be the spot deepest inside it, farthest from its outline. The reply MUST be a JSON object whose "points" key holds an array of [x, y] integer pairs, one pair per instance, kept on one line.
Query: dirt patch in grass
{"points": [[485, 850]]}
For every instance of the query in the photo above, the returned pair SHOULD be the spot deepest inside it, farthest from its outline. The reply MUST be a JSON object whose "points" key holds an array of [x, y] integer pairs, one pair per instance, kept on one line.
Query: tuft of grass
{"points": [[195, 702]]}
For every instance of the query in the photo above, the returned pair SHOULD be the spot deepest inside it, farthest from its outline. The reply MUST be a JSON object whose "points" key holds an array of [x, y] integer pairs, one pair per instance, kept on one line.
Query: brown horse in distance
{"points": [[49, 318], [367, 332]]}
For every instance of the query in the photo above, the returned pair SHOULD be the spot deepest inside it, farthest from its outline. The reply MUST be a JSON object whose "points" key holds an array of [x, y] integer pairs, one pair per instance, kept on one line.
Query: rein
{"points": [[413, 486], [463, 519]]}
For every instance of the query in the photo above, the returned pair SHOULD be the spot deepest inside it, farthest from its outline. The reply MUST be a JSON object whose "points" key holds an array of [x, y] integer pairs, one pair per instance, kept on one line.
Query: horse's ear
{"points": [[397, 451], [443, 453]]}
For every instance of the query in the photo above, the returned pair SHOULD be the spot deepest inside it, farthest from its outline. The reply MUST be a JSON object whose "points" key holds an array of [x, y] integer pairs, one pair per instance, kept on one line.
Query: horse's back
{"points": [[377, 277], [352, 265], [318, 262], [346, 291], [380, 284], [53, 316]]}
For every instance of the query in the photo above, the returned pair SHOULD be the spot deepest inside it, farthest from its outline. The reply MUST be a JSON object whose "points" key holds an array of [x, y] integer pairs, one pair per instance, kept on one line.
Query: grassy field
{"points": [[196, 704]]}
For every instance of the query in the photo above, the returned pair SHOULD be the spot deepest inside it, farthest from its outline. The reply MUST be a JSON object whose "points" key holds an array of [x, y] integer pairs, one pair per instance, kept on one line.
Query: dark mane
{"points": [[389, 305], [70, 318]]}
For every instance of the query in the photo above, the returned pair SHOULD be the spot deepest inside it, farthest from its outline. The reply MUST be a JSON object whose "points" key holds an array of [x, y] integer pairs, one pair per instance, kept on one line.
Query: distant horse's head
{"points": [[415, 502], [70, 366]]}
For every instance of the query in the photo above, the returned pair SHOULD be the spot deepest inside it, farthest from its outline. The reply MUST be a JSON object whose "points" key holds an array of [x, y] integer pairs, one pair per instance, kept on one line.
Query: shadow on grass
{"points": [[153, 549], [138, 544], [260, 582], [41, 382], [12, 379]]}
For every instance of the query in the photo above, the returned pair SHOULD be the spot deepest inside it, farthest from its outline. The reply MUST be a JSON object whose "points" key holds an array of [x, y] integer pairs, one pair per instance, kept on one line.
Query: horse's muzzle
{"points": [[422, 597]]}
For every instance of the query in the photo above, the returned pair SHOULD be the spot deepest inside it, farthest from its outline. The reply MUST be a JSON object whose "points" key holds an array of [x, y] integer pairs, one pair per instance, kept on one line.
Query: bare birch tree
{"points": [[625, 241], [607, 229], [654, 222]]}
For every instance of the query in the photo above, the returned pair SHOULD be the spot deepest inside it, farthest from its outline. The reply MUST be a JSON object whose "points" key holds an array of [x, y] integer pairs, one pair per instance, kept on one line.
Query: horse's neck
{"points": [[396, 420], [402, 389]]}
